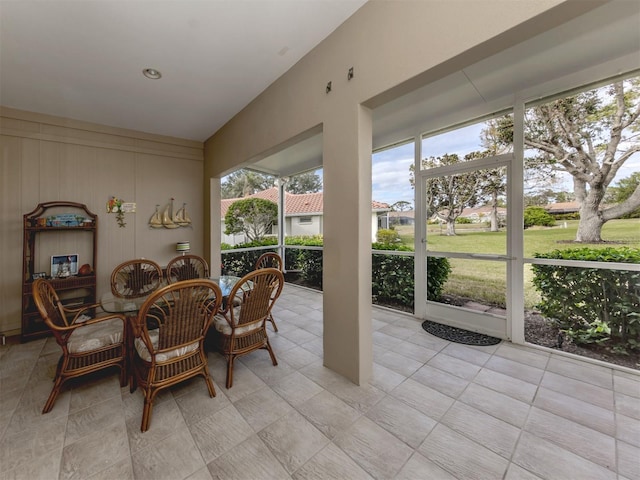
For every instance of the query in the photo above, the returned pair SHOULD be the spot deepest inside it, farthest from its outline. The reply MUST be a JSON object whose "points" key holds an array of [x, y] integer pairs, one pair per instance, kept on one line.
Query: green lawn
{"points": [[485, 280]]}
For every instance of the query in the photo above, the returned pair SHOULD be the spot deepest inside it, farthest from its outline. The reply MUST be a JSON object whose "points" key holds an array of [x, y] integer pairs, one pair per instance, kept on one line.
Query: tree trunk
{"points": [[494, 212], [451, 227], [590, 226]]}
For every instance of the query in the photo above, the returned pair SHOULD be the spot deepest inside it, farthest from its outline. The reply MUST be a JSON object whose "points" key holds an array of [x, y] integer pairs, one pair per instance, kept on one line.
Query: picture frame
{"points": [[63, 266], [37, 275]]}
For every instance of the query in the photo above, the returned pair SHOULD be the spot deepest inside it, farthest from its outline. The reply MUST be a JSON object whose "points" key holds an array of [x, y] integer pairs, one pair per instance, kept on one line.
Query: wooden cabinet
{"points": [[57, 229]]}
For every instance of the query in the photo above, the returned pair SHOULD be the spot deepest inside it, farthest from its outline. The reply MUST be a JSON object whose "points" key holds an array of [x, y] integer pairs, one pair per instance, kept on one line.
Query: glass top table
{"points": [[130, 306]]}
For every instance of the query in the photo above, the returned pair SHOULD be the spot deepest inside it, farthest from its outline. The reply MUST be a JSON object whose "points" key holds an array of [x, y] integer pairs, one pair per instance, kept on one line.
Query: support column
{"points": [[348, 344], [215, 227]]}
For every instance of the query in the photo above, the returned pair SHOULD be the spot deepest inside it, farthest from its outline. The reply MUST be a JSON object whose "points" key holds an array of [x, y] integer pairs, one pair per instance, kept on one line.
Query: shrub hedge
{"points": [[592, 305], [538, 216], [392, 275]]}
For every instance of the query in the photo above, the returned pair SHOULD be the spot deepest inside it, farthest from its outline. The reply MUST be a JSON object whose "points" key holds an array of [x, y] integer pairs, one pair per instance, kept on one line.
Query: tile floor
{"points": [[433, 410]]}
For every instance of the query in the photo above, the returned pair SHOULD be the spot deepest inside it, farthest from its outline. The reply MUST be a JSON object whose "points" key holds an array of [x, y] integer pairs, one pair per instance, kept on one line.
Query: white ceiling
{"points": [[598, 45], [84, 59]]}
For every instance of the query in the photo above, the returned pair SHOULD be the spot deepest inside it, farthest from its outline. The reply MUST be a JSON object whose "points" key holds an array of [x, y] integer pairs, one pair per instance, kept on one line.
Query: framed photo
{"points": [[64, 265], [38, 275]]}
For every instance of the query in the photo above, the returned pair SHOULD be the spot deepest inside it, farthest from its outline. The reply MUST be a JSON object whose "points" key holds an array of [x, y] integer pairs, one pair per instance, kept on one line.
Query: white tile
{"points": [[399, 363], [406, 423], [576, 438], [328, 413], [419, 467], [248, 460], [515, 369], [293, 440], [462, 457], [629, 460], [497, 404], [424, 399], [331, 463], [218, 433], [385, 379], [262, 408], [628, 430], [586, 372], [510, 386], [524, 355], [548, 460], [466, 353], [98, 451], [360, 397], [454, 366], [380, 453], [296, 388], [584, 413], [437, 379], [494, 434], [602, 397], [415, 352]]}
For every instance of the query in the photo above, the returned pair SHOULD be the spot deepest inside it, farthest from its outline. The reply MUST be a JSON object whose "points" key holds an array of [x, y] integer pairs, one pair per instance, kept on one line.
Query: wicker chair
{"points": [[187, 267], [88, 345], [270, 260], [136, 278], [169, 336], [240, 327]]}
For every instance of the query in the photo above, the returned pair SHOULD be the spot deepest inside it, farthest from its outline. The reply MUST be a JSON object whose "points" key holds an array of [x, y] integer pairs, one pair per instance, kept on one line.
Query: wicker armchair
{"points": [[270, 260], [88, 345], [136, 278], [187, 267], [240, 327], [169, 336]]}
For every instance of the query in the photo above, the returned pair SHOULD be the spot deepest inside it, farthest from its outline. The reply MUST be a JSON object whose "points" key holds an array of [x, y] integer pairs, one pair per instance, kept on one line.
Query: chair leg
{"points": [[230, 360], [271, 354], [146, 412], [57, 386], [207, 376], [273, 323], [212, 389], [124, 376]]}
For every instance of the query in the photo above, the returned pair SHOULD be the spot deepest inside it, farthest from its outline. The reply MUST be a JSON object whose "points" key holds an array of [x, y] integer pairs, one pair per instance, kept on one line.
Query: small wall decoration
{"points": [[119, 207], [168, 219]]}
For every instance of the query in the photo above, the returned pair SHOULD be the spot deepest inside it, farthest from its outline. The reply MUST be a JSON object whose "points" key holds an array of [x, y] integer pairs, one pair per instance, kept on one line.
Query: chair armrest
{"points": [[78, 311]]}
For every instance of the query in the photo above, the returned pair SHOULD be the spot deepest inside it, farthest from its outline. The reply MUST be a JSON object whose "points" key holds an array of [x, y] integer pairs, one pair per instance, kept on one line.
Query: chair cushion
{"points": [[154, 335], [221, 325], [96, 335]]}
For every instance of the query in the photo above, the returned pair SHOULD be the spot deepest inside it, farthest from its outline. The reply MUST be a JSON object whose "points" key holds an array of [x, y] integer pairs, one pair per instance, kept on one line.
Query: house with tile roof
{"points": [[303, 214]]}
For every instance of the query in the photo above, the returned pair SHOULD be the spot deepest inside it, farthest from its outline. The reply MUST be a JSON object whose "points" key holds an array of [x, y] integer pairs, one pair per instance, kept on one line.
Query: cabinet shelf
{"points": [[74, 290]]}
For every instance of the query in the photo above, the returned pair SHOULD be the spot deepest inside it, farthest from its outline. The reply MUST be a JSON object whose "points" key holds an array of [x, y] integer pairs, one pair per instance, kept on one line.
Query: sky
{"points": [[390, 168]]}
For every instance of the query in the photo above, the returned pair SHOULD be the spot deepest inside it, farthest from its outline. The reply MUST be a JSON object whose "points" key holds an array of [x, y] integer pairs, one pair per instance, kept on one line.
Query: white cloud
{"points": [[390, 175]]}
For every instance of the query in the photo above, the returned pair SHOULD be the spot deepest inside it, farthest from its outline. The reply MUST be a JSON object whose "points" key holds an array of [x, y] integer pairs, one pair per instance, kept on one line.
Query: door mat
{"points": [[458, 335]]}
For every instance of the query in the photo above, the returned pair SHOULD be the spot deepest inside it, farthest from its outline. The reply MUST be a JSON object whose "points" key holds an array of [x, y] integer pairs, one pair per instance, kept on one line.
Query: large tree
{"points": [[252, 216], [590, 136], [401, 206], [623, 190], [448, 196], [309, 182], [243, 183]]}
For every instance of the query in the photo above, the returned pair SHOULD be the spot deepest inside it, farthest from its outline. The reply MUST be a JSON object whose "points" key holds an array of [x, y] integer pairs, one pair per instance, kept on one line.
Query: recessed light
{"points": [[151, 73]]}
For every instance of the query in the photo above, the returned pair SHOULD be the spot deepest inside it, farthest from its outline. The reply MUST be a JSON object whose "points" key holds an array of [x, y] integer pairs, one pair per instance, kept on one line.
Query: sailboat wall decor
{"points": [[168, 219]]}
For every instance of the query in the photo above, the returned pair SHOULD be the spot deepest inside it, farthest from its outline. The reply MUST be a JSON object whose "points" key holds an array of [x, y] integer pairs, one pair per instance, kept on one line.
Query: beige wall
{"points": [[394, 47], [47, 159]]}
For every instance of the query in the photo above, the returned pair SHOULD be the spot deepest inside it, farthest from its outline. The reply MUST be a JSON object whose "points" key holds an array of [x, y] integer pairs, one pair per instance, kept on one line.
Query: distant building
{"points": [[475, 214], [562, 208], [303, 214]]}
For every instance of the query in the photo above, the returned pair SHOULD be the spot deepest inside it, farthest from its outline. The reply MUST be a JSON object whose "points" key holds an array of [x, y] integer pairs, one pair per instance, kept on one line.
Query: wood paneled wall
{"points": [[48, 158]]}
